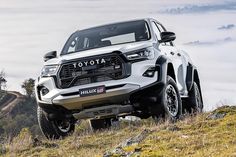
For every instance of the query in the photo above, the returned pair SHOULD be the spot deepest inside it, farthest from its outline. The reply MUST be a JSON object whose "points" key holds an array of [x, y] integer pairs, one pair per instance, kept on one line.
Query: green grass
{"points": [[193, 136], [82, 143]]}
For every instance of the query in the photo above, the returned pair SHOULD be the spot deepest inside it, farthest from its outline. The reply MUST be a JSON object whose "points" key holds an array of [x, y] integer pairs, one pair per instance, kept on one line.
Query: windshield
{"points": [[107, 35]]}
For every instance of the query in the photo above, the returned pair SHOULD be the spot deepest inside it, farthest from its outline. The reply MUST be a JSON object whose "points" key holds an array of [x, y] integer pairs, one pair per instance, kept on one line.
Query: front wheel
{"points": [[54, 129], [169, 102]]}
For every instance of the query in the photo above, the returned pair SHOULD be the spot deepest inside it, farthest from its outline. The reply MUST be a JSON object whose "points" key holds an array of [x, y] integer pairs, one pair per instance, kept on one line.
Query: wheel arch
{"points": [[192, 76], [171, 71], [196, 77], [197, 80], [165, 67]]}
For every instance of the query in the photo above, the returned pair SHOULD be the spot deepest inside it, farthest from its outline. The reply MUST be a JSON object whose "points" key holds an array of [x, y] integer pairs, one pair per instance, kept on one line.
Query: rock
{"points": [[137, 139], [132, 141], [217, 115]]}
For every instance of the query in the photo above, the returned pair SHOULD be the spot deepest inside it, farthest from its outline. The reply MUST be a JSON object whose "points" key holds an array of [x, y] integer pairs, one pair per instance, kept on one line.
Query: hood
{"points": [[99, 51]]}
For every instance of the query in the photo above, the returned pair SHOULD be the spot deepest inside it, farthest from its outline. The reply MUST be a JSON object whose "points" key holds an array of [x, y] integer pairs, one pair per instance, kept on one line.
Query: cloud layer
{"points": [[226, 6], [226, 27], [209, 43]]}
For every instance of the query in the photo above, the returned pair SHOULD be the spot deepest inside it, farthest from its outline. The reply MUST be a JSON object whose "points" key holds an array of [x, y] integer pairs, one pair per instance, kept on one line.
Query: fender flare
{"points": [[192, 75], [162, 64]]}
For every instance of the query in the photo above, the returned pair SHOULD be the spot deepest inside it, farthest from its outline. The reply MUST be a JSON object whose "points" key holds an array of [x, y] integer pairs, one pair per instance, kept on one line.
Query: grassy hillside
{"points": [[209, 134], [21, 116]]}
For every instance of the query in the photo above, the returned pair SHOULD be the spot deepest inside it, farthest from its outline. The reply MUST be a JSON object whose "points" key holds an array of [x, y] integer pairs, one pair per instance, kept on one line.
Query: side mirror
{"points": [[167, 37], [50, 55]]}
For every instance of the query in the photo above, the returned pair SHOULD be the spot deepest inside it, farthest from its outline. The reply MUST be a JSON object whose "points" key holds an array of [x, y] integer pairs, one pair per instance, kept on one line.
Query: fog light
{"points": [[44, 91], [150, 72]]}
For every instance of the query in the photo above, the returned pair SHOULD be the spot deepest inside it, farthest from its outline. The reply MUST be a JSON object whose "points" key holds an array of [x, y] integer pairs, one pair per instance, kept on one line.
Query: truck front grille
{"points": [[92, 69]]}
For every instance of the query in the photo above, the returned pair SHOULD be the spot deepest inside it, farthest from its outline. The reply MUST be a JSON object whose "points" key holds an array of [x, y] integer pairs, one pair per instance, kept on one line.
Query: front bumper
{"points": [[117, 91]]}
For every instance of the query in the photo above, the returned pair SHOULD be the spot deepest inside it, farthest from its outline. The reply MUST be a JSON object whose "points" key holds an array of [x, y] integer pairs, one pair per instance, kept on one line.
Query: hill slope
{"points": [[9, 101], [16, 112], [208, 134]]}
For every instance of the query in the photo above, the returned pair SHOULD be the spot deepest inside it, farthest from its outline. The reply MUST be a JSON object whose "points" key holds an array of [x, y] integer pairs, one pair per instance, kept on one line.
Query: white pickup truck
{"points": [[116, 70]]}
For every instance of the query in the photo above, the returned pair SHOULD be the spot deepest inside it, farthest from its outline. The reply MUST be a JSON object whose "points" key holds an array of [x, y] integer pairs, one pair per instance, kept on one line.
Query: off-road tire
{"points": [[194, 103], [51, 128], [163, 108]]}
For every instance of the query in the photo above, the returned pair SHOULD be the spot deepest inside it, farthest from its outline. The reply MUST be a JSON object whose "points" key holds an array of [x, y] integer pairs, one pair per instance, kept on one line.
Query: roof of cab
{"points": [[144, 19]]}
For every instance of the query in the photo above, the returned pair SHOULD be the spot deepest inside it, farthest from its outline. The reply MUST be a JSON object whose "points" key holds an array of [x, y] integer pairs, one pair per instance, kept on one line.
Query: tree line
{"points": [[27, 85]]}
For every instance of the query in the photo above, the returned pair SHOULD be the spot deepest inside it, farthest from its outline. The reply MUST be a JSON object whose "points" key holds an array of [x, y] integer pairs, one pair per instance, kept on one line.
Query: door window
{"points": [[157, 31]]}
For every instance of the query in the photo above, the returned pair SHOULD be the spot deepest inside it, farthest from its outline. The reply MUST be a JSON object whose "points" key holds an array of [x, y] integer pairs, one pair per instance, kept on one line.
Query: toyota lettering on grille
{"points": [[89, 63]]}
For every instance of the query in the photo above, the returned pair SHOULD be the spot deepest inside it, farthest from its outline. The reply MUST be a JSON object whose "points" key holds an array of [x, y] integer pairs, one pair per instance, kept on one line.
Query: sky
{"points": [[206, 29]]}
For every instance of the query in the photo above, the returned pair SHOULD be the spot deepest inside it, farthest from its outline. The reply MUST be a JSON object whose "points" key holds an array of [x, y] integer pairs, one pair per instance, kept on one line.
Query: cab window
{"points": [[156, 31]]}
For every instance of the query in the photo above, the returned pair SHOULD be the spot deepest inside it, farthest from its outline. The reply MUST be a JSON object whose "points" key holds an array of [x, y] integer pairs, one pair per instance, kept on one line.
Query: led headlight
{"points": [[142, 54], [49, 70]]}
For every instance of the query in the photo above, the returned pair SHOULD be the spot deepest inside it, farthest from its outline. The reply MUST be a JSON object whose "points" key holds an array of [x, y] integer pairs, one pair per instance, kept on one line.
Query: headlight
{"points": [[143, 54], [49, 70]]}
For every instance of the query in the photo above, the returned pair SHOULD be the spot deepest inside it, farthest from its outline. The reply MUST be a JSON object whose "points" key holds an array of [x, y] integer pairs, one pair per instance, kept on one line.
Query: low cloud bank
{"points": [[229, 6], [208, 43], [226, 27]]}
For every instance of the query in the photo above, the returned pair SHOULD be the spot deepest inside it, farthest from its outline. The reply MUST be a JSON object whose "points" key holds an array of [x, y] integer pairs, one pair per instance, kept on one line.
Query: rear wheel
{"points": [[54, 129], [169, 103], [97, 124], [194, 103]]}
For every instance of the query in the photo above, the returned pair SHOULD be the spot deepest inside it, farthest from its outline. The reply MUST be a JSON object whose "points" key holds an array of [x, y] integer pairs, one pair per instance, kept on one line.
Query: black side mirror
{"points": [[50, 55], [167, 37]]}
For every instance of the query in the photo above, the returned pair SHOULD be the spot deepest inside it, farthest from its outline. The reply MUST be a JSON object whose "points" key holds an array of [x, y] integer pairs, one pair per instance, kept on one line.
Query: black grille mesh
{"points": [[71, 74]]}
